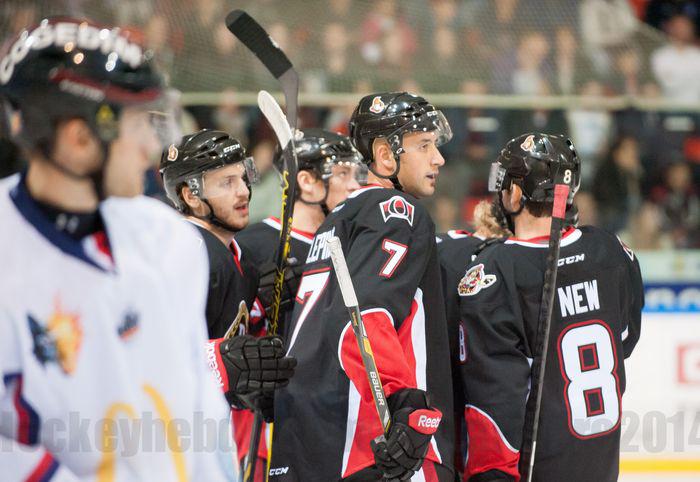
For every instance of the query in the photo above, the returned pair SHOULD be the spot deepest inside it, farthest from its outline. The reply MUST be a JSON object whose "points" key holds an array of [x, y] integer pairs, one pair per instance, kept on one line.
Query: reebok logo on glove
{"points": [[425, 421], [214, 362]]}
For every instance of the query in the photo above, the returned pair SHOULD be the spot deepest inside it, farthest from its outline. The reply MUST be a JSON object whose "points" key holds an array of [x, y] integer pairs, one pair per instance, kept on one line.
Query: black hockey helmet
{"points": [[535, 162], [66, 68], [390, 115], [197, 154], [318, 150]]}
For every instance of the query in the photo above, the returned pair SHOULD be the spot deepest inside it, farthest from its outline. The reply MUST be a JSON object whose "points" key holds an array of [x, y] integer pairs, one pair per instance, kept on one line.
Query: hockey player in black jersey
{"points": [[208, 178], [330, 168], [325, 419], [456, 247], [595, 326]]}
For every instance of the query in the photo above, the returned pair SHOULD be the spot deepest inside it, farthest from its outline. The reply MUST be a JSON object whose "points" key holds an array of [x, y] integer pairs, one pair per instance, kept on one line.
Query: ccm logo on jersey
{"points": [[475, 280], [425, 421], [571, 259], [397, 207], [279, 470]]}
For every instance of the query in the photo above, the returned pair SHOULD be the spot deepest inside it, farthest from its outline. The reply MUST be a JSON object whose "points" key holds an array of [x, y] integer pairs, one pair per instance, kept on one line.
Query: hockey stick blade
{"points": [[258, 41], [350, 299], [274, 115]]}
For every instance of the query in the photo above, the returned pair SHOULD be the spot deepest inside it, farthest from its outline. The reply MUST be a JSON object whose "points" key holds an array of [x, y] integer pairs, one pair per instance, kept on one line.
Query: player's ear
{"points": [[305, 182], [76, 146], [383, 156], [515, 196]]}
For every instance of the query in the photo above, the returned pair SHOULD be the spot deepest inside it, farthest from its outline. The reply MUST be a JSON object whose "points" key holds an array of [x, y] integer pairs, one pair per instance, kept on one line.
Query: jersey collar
{"points": [[298, 234], [570, 236], [93, 250]]}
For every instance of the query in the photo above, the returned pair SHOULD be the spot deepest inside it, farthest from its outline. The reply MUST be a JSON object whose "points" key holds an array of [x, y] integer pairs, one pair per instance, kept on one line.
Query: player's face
{"points": [[420, 163], [226, 191], [342, 183], [131, 154]]}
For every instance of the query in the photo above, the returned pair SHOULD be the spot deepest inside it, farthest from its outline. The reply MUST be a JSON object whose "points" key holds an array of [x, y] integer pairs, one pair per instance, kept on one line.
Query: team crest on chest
{"points": [[58, 340], [397, 207], [474, 280]]}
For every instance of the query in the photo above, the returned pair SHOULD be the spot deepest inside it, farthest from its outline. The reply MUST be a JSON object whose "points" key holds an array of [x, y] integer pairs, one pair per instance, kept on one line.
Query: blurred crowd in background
{"points": [[641, 167]]}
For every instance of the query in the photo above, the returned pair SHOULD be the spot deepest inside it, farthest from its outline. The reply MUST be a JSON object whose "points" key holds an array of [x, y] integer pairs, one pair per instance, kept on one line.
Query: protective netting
{"points": [[504, 47]]}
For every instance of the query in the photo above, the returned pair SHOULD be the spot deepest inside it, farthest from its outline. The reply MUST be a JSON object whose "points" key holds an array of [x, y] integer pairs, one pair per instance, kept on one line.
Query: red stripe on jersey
{"points": [[242, 427], [488, 449], [305, 234], [102, 243], [544, 238], [44, 470], [395, 373], [236, 250], [406, 338], [429, 472], [28, 419]]}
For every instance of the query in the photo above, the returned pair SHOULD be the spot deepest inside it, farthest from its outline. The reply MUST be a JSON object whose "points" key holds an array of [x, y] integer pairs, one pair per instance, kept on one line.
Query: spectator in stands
{"points": [[159, 40], [267, 194], [587, 208], [230, 118], [627, 78], [677, 66], [617, 184], [658, 12], [590, 127], [337, 66], [386, 33], [445, 60], [571, 66], [530, 75], [678, 199], [646, 229], [605, 26]]}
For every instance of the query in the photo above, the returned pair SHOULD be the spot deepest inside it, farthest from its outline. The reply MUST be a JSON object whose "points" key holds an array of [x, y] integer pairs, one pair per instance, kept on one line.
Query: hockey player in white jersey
{"points": [[103, 291]]}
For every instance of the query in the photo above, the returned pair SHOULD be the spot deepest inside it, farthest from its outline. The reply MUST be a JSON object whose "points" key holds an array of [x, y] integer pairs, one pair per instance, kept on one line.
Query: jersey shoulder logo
{"points": [[59, 341], [475, 280], [397, 207]]}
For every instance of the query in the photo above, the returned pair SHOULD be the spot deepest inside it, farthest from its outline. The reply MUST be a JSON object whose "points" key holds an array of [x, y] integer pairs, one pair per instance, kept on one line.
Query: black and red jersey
{"points": [[233, 278], [595, 325], [455, 250], [262, 239], [325, 418]]}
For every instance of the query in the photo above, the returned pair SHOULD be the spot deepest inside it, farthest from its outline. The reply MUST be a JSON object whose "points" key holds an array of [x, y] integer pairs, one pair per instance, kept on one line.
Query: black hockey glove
{"points": [[292, 276], [251, 365], [413, 423]]}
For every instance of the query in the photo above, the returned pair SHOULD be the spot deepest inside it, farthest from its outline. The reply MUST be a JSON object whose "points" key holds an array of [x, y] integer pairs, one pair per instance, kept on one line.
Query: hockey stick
{"points": [[532, 415], [257, 40], [350, 300]]}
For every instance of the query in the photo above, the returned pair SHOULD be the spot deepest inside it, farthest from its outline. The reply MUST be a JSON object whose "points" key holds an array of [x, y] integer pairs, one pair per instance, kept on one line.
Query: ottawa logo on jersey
{"points": [[397, 207], [475, 280]]}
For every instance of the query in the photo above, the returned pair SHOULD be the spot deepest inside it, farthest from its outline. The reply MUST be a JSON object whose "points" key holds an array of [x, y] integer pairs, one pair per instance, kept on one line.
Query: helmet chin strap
{"points": [[213, 219], [322, 203], [504, 216], [394, 176]]}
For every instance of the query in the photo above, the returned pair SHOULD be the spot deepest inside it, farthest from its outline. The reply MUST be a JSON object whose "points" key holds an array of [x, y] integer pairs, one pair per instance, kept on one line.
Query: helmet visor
{"points": [[497, 174], [229, 181]]}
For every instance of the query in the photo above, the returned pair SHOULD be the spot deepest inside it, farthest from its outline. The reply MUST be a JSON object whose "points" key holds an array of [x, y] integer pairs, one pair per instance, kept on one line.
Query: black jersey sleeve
{"points": [[634, 303], [497, 368]]}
